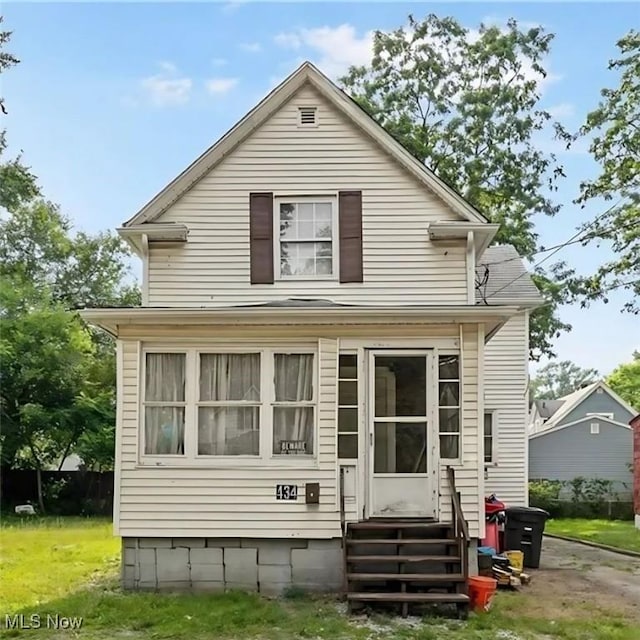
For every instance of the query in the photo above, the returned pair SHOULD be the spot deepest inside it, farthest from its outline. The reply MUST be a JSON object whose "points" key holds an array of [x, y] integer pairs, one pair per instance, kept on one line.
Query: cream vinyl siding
{"points": [[212, 267], [505, 387], [225, 502], [469, 470]]}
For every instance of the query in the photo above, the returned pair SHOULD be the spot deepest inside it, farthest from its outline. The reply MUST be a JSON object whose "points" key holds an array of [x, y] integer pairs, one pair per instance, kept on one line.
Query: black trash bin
{"points": [[523, 531]]}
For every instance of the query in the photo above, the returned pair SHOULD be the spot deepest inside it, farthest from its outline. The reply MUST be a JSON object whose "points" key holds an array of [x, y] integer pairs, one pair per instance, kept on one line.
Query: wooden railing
{"points": [[461, 528]]}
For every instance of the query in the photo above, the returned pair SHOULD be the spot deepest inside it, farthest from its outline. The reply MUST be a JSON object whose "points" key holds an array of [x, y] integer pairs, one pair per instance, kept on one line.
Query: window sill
{"points": [[226, 463], [490, 465]]}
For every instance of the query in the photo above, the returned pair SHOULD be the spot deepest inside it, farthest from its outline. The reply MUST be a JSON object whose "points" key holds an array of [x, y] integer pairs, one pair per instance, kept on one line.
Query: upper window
{"points": [[306, 238], [449, 405]]}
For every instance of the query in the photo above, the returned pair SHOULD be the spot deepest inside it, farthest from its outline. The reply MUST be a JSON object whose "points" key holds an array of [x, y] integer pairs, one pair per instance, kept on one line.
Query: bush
{"points": [[589, 498]]}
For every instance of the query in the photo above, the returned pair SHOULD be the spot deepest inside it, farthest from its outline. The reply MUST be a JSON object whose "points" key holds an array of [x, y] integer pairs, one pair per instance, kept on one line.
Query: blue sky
{"points": [[111, 101]]}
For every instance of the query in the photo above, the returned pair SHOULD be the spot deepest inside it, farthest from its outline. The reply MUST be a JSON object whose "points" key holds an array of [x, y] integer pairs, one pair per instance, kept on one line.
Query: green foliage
{"points": [[579, 498], [467, 105], [614, 136], [560, 378], [622, 535], [625, 381]]}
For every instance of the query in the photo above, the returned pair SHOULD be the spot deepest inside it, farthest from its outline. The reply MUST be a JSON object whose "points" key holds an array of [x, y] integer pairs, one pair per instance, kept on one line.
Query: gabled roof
{"points": [[503, 279], [554, 429], [572, 400], [306, 73]]}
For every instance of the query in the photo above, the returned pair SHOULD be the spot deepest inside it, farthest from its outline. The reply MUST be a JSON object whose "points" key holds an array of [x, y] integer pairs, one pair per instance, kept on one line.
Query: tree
{"points": [[625, 381], [558, 379], [614, 129], [467, 105], [17, 183], [78, 270]]}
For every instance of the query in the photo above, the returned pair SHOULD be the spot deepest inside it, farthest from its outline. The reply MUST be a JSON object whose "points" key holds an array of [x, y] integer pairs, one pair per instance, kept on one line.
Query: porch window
{"points": [[489, 437], [229, 404], [293, 408], [348, 406], [164, 403], [305, 241], [449, 405]]}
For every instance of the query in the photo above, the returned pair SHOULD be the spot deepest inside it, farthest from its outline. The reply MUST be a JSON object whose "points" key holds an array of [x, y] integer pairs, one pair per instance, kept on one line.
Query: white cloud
{"points": [[562, 110], [167, 88], [251, 47], [220, 86], [334, 49], [219, 62], [232, 6]]}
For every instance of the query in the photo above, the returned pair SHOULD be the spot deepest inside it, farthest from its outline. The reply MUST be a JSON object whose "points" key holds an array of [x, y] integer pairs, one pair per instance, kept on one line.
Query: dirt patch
{"points": [[574, 576]]}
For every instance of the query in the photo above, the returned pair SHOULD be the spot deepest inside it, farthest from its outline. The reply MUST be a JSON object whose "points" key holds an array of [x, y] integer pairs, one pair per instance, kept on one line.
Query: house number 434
{"points": [[286, 492]]}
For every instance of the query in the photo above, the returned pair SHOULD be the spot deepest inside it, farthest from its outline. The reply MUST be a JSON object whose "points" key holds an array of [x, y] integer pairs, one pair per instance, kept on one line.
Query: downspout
{"points": [[145, 270], [471, 269]]}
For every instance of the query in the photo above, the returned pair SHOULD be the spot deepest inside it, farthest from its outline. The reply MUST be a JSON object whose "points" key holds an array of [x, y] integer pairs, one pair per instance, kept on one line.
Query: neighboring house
{"points": [[635, 427], [585, 434], [319, 311]]}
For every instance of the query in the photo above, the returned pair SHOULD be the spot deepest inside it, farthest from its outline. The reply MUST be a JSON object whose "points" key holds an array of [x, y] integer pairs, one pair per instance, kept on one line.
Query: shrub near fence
{"points": [[66, 493], [579, 498]]}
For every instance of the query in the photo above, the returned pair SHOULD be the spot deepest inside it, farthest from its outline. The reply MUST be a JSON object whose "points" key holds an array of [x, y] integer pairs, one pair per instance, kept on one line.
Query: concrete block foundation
{"points": [[216, 564]]}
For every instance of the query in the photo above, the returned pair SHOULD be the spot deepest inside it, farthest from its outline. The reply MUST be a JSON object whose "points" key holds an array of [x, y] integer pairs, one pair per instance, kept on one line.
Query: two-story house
{"points": [[325, 343]]}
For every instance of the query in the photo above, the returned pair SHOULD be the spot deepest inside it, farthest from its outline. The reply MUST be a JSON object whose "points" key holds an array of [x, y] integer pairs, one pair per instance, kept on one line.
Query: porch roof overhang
{"points": [[111, 319]]}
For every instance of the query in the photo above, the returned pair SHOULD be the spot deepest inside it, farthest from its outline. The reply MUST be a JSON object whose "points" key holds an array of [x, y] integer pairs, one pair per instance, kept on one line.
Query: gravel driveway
{"points": [[573, 574]]}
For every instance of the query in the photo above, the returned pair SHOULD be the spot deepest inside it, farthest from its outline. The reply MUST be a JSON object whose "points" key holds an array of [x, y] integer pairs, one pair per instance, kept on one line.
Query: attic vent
{"points": [[595, 428], [307, 116], [599, 390]]}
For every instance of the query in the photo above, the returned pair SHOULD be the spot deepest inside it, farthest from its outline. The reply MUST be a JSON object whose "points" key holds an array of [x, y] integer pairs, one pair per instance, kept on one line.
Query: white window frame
{"points": [[144, 403], [599, 414], [307, 199], [594, 428], [356, 433], [494, 436], [458, 354], [191, 458]]}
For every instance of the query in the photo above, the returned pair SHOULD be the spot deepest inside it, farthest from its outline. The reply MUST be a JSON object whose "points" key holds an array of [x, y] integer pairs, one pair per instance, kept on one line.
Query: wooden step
{"points": [[407, 558], [398, 524], [448, 541], [407, 577], [459, 598]]}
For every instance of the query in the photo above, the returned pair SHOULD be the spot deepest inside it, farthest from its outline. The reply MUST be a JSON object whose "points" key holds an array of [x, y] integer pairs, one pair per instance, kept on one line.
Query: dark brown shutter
{"points": [[261, 237], [350, 225]]}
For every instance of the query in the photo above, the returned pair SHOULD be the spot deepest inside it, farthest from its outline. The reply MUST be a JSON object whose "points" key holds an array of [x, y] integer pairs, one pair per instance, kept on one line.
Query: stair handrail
{"points": [[461, 523]]}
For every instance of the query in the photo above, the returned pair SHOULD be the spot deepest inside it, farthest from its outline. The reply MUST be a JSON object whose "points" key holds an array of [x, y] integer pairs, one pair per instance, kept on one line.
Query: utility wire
{"points": [[571, 240]]}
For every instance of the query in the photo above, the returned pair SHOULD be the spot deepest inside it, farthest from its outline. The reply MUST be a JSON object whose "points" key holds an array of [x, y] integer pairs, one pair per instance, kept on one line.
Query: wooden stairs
{"points": [[405, 562]]}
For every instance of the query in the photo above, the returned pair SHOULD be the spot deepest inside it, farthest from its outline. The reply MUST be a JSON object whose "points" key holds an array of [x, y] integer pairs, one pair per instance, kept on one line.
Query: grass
{"points": [[69, 568], [615, 533]]}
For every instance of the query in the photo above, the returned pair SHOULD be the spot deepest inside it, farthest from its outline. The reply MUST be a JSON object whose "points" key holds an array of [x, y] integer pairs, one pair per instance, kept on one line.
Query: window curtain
{"points": [[293, 383], [232, 430], [165, 383]]}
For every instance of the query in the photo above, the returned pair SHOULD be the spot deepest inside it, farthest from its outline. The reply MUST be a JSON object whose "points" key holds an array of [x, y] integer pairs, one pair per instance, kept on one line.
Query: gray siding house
{"points": [[584, 434]]}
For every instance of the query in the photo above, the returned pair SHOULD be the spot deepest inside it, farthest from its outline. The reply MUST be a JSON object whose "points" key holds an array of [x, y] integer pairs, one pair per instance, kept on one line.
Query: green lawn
{"points": [[69, 568], [615, 533]]}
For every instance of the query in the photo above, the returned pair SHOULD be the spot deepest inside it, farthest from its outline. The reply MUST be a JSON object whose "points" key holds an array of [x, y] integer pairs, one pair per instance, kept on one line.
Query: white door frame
{"points": [[427, 482]]}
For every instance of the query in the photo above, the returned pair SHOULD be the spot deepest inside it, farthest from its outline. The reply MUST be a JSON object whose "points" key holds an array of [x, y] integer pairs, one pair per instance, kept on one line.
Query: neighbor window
{"points": [[164, 403], [293, 406], [348, 406], [305, 244], [229, 404], [449, 405], [489, 435]]}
